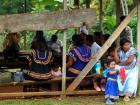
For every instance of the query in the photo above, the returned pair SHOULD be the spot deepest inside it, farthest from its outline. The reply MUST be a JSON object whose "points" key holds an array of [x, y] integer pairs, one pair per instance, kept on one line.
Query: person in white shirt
{"points": [[56, 46], [90, 41]]}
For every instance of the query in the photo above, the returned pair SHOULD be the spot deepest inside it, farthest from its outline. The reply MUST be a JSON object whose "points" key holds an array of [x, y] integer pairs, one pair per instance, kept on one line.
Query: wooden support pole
{"points": [[101, 15], [138, 41], [100, 53], [134, 1], [118, 12], [64, 57]]}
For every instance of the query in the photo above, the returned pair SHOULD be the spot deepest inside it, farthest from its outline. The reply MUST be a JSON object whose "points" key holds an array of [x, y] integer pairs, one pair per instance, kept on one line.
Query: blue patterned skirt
{"points": [[111, 90]]}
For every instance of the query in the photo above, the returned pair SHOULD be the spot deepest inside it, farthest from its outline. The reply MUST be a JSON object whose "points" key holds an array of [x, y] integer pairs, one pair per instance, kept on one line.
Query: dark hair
{"points": [[122, 18], [123, 41], [39, 34], [109, 61], [99, 38], [54, 38], [40, 42], [106, 36], [90, 38], [111, 49], [77, 40]]}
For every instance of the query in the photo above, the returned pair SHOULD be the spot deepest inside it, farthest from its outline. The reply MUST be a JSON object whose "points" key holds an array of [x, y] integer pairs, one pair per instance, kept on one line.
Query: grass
{"points": [[75, 100]]}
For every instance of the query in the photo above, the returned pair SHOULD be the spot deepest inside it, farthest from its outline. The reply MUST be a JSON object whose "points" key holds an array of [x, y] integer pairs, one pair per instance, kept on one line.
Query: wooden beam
{"points": [[64, 57], [21, 94], [99, 54], [138, 41], [46, 21], [30, 82]]}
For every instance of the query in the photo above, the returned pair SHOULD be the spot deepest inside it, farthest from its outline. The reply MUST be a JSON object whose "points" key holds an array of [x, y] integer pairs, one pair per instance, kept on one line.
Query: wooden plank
{"points": [[21, 94], [64, 57], [29, 82], [48, 93], [138, 42], [46, 21], [99, 54]]}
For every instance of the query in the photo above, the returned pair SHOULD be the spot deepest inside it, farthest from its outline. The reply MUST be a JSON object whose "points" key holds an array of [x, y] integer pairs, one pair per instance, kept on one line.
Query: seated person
{"points": [[99, 38], [38, 33], [96, 70], [56, 46], [11, 45], [40, 64], [78, 57], [56, 69], [40, 61]]}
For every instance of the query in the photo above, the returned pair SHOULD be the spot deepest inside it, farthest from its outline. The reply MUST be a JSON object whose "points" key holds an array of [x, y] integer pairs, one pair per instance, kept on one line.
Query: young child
{"points": [[56, 72], [111, 90]]}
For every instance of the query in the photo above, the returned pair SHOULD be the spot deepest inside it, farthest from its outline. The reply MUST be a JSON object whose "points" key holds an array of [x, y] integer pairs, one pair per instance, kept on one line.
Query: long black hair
{"points": [[40, 42]]}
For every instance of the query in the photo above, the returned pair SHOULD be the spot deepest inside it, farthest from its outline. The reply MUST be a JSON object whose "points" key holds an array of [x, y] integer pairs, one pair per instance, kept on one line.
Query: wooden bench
{"points": [[21, 62], [30, 82], [45, 93]]}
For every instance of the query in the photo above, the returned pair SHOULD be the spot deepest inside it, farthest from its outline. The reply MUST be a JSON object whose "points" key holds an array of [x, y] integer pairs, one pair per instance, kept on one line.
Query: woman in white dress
{"points": [[126, 58]]}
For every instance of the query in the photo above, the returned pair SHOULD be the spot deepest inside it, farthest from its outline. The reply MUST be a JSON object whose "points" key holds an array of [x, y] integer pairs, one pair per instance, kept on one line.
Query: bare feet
{"points": [[126, 98], [97, 88]]}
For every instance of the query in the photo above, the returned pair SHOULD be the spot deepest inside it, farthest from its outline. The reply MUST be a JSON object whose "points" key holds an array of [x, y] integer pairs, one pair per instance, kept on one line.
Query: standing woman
{"points": [[126, 58]]}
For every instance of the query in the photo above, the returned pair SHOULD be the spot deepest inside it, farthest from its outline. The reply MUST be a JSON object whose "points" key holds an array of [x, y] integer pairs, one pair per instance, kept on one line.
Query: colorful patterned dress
{"points": [[131, 70], [81, 56], [40, 68], [111, 90]]}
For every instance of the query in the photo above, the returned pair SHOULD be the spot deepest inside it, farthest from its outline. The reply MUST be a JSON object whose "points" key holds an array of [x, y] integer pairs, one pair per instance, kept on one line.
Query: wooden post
{"points": [[99, 54], [101, 16], [64, 58], [25, 36], [118, 12], [138, 41]]}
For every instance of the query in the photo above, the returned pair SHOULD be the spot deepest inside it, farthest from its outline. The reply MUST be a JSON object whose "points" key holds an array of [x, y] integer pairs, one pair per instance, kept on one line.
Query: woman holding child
{"points": [[126, 58]]}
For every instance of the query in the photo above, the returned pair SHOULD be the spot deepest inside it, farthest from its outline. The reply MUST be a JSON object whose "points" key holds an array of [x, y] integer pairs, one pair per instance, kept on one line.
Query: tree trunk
{"points": [[88, 3]]}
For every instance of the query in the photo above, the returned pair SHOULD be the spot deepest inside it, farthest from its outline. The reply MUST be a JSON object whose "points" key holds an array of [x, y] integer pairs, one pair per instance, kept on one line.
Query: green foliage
{"points": [[46, 5], [39, 6], [109, 23]]}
